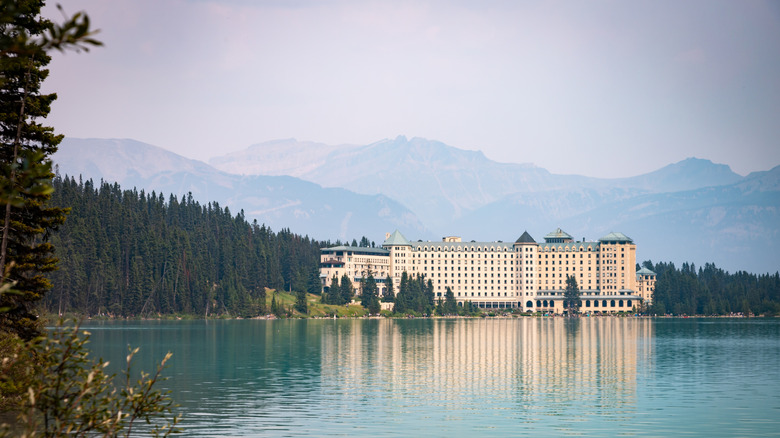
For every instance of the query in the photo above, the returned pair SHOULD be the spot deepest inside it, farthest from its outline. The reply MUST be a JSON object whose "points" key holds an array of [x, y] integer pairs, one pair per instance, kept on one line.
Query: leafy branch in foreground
{"points": [[70, 394]]}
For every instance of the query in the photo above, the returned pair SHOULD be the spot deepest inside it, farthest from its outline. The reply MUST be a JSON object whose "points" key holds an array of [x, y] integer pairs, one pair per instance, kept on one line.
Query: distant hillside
{"points": [[277, 201]]}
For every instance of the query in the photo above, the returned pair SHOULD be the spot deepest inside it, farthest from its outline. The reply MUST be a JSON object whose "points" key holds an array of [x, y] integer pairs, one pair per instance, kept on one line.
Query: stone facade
{"points": [[524, 274]]}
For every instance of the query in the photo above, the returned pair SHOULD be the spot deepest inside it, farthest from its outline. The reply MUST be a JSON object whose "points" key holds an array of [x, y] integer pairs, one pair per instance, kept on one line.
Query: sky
{"points": [[597, 88]]}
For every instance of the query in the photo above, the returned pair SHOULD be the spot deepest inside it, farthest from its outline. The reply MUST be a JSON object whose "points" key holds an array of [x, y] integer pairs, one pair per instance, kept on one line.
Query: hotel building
{"points": [[525, 274]]}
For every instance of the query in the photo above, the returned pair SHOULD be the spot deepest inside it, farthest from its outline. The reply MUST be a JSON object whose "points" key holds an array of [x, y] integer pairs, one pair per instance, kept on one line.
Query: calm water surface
{"points": [[495, 377]]}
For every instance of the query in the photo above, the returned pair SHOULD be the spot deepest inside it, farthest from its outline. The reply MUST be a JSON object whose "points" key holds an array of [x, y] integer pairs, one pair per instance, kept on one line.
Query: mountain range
{"points": [[693, 210]]}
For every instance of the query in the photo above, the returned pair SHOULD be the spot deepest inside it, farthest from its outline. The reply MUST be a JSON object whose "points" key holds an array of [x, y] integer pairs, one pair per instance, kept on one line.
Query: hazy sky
{"points": [[599, 88]]}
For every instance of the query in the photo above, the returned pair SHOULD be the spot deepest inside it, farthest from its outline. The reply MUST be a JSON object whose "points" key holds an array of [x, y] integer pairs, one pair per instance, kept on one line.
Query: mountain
{"points": [[441, 183], [691, 173], [436, 181], [694, 210], [287, 157], [277, 201], [735, 226]]}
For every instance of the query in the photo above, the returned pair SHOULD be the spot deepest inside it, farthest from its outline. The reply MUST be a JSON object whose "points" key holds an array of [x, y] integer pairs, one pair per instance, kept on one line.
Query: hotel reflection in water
{"points": [[518, 359]]}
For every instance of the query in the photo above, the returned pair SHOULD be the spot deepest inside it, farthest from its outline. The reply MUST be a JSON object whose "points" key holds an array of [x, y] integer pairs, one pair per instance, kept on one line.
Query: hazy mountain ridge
{"points": [[687, 174], [440, 182], [736, 226], [277, 201], [287, 157], [681, 212], [693, 210], [434, 180]]}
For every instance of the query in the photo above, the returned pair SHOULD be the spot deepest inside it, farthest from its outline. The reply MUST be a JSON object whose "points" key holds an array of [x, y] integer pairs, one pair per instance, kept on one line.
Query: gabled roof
{"points": [[396, 239], [645, 271], [525, 238], [616, 237]]}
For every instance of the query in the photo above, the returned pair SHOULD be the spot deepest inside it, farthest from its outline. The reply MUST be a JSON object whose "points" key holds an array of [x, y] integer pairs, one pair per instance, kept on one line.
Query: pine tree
{"points": [[450, 306], [402, 298], [368, 297], [301, 304], [346, 290], [571, 297], [333, 294], [25, 148], [389, 295]]}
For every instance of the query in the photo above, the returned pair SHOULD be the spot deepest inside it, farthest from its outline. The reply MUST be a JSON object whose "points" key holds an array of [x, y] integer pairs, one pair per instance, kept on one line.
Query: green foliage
{"points": [[67, 393], [450, 306], [415, 296], [127, 253], [25, 145], [389, 295], [339, 293], [331, 294], [713, 291], [369, 297], [277, 308], [346, 290], [301, 302], [571, 296]]}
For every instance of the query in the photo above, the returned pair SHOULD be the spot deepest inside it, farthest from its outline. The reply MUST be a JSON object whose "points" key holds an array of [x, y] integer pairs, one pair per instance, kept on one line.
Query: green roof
{"points": [[396, 239], [616, 237], [357, 250], [645, 271], [558, 235]]}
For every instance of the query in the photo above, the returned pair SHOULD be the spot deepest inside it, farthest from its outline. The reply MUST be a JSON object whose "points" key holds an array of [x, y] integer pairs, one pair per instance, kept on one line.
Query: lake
{"points": [[463, 377]]}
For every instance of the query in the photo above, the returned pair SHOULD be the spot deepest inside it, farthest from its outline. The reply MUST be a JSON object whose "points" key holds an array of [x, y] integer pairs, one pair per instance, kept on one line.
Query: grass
{"points": [[316, 308]]}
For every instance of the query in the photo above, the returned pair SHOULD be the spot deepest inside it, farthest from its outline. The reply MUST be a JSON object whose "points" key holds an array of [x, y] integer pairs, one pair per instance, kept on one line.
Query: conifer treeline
{"points": [[713, 291], [130, 253]]}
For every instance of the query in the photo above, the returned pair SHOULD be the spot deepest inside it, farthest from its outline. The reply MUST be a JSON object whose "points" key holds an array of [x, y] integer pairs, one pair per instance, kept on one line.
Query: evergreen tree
{"points": [[369, 298], [389, 295], [127, 253], [346, 290], [402, 298], [571, 297], [415, 295], [301, 304], [276, 307], [25, 148], [313, 285], [450, 304], [429, 295], [333, 294]]}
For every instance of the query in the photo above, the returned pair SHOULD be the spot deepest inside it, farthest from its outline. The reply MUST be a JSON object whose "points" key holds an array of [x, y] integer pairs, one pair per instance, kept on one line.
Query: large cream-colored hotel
{"points": [[524, 274]]}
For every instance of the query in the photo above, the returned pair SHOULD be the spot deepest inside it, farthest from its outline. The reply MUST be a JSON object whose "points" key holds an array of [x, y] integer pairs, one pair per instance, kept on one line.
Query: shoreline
{"points": [[298, 317]]}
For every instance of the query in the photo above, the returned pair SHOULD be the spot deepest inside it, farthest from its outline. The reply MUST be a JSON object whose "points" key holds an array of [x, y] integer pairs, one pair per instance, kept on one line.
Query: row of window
{"points": [[583, 303]]}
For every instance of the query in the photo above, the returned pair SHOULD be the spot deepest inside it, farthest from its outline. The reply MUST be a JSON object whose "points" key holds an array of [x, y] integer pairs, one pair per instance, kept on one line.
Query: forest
{"points": [[128, 253], [713, 291]]}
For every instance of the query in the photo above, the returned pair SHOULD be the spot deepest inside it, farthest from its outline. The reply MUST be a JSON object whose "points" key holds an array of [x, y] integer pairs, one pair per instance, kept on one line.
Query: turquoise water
{"points": [[487, 377]]}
